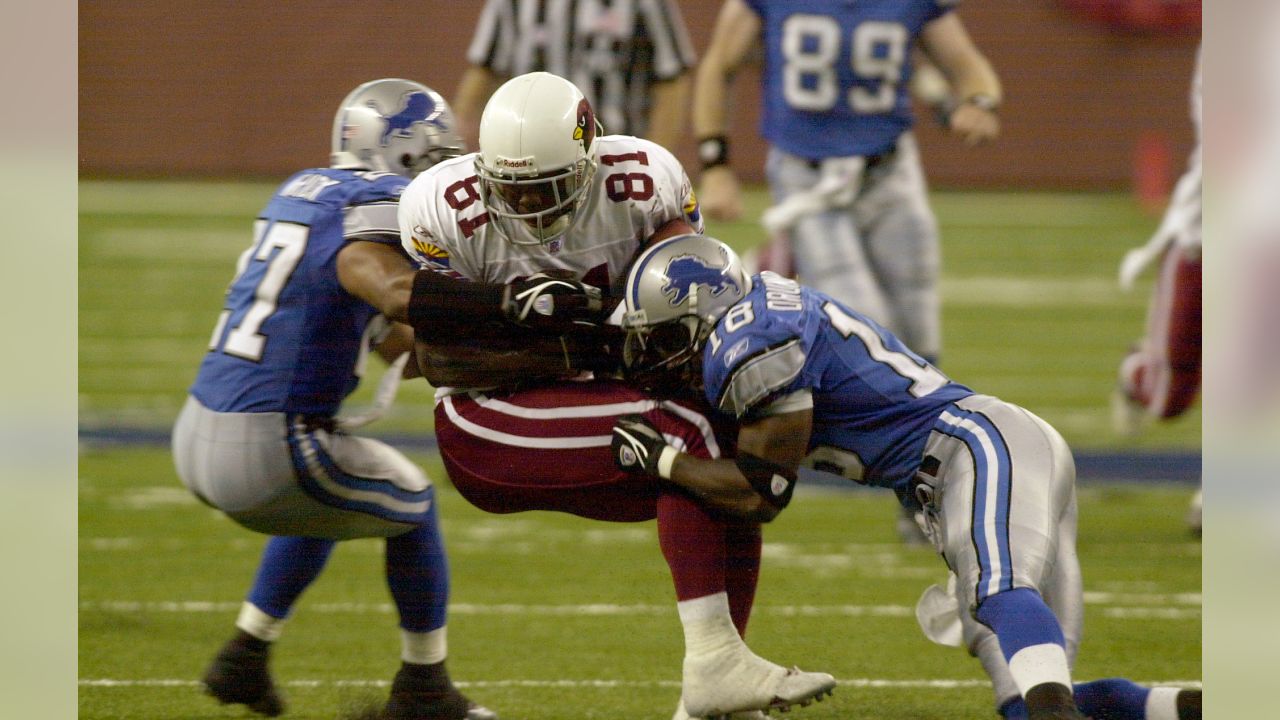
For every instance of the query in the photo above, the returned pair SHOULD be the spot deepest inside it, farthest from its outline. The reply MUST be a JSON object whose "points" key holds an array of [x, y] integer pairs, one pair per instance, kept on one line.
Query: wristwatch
{"points": [[983, 101]]}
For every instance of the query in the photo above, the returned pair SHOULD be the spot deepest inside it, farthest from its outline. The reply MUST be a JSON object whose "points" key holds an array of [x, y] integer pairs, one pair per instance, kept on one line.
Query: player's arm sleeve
{"points": [[755, 382], [374, 221]]}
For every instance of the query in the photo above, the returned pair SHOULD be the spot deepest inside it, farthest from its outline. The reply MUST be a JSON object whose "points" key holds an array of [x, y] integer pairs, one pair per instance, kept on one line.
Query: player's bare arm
{"points": [[975, 84], [379, 274], [475, 87], [756, 484], [736, 31], [669, 110]]}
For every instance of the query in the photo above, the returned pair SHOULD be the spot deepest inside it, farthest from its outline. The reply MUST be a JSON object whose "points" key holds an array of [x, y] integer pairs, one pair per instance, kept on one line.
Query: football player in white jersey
{"points": [[524, 245], [814, 382], [258, 437]]}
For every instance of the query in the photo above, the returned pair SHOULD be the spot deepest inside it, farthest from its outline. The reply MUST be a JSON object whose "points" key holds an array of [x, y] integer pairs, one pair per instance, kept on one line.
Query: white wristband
{"points": [[666, 459]]}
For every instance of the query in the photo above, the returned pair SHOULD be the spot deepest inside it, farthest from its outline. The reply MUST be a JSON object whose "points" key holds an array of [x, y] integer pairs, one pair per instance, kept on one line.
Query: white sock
{"points": [[1162, 704], [1038, 664], [426, 648], [259, 624], [988, 651], [708, 626]]}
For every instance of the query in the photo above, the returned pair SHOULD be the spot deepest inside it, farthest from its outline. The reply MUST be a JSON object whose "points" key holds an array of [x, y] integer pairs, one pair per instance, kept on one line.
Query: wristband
{"points": [[774, 482], [666, 459], [436, 298], [713, 151]]}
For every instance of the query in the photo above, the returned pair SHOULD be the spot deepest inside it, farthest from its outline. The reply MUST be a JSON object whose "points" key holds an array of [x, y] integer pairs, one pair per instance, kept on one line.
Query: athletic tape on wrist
{"points": [[666, 459]]}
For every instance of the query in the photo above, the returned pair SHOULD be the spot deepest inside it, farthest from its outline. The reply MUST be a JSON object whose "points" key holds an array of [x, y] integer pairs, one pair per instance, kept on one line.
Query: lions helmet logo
{"points": [[585, 131], [686, 272], [416, 107]]}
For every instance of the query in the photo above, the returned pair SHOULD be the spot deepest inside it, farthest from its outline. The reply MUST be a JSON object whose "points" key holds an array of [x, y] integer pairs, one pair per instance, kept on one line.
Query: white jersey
{"points": [[638, 187]]}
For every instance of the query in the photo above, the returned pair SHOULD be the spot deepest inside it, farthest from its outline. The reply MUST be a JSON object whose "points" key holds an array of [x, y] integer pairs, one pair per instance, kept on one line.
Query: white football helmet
{"points": [[393, 125], [537, 156], [676, 292]]}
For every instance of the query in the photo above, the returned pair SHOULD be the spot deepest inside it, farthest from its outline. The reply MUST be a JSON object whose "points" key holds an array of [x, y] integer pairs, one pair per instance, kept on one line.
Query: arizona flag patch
{"points": [[433, 253], [691, 210]]}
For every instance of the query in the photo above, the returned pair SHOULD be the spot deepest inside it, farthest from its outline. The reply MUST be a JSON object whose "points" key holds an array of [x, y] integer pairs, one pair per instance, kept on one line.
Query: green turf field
{"points": [[559, 618]]}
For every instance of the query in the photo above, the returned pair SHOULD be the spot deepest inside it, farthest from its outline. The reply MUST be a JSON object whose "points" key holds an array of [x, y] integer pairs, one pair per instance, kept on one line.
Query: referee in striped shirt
{"points": [[631, 58]]}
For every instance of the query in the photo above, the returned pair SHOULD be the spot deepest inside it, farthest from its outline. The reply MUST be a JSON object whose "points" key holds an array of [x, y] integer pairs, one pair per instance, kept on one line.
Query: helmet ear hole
{"points": [[406, 161]]}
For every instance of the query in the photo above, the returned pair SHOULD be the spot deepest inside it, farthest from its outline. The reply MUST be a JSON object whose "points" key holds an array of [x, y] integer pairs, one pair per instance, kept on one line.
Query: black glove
{"points": [[639, 447], [553, 301]]}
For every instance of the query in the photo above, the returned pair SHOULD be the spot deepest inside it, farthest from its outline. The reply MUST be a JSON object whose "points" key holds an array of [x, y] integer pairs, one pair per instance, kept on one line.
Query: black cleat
{"points": [[425, 692], [1052, 701], [239, 675], [1189, 704]]}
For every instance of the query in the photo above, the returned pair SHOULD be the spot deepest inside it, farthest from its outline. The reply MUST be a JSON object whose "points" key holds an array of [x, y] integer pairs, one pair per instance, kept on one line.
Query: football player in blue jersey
{"points": [[814, 383], [851, 212], [259, 437]]}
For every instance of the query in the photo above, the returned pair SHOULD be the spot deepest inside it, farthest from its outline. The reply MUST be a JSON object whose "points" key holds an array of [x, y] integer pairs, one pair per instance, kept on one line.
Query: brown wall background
{"points": [[236, 89]]}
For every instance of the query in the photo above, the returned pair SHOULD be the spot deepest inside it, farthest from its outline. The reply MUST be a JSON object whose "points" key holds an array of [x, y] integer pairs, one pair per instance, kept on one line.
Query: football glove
{"points": [[639, 447], [553, 301]]}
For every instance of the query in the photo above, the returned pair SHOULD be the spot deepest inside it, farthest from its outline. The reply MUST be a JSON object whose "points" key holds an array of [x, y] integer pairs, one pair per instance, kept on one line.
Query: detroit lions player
{"points": [[851, 214], [519, 243], [843, 164], [258, 438], [814, 382]]}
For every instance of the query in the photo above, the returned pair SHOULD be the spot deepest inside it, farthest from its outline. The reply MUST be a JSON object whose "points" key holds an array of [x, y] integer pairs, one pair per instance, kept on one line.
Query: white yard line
{"points": [[1159, 609], [923, 684]]}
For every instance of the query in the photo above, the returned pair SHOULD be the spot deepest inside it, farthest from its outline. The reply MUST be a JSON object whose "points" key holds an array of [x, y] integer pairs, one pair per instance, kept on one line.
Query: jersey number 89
{"points": [[811, 47]]}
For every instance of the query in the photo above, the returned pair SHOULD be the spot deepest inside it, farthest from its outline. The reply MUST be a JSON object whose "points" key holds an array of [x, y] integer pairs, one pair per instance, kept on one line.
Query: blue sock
{"points": [[418, 576], [1020, 619], [1112, 699], [1015, 709], [288, 566], [1109, 699]]}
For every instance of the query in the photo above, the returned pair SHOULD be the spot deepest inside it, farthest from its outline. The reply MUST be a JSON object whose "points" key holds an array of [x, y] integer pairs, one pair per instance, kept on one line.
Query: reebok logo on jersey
{"points": [[733, 353]]}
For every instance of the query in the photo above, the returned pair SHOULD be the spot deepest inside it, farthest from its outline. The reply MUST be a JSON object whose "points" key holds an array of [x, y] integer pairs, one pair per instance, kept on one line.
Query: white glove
{"points": [[383, 397], [938, 613], [838, 184]]}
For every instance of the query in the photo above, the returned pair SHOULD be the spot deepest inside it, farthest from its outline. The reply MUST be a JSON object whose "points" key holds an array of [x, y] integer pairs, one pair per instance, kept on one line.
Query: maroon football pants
{"points": [[549, 448]]}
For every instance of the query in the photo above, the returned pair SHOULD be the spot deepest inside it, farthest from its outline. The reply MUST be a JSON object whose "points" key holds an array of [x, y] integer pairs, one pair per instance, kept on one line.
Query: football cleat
{"points": [[682, 714], [1195, 514], [424, 692], [239, 675], [1052, 701], [1189, 704], [734, 679], [1129, 416]]}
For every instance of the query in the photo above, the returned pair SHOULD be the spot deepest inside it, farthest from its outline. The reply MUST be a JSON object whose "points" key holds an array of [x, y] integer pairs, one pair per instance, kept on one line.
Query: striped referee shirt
{"points": [[613, 50]]}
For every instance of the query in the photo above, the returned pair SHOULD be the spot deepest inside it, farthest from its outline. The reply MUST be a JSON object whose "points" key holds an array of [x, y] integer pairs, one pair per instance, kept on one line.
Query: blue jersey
{"points": [[290, 338], [874, 400], [836, 73]]}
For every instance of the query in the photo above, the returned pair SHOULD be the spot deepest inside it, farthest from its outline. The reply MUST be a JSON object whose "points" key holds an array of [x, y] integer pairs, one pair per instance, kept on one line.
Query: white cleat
{"points": [[734, 679], [681, 714]]}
